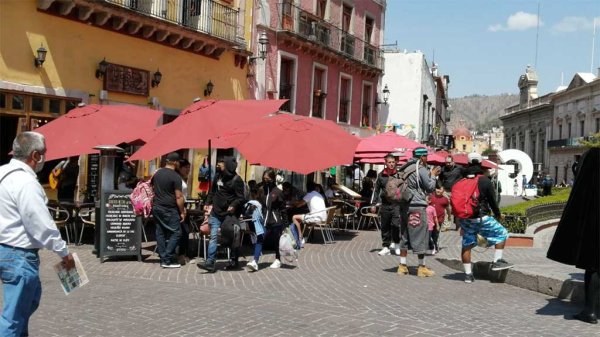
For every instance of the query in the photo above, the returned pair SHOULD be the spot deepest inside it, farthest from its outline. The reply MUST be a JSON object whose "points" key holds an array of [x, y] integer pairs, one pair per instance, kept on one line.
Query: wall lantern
{"points": [[41, 56], [209, 88], [156, 78], [263, 41], [101, 71], [386, 95]]}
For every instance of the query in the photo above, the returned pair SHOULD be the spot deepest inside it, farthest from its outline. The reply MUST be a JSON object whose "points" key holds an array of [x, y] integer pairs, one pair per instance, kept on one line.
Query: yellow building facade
{"points": [[190, 42]]}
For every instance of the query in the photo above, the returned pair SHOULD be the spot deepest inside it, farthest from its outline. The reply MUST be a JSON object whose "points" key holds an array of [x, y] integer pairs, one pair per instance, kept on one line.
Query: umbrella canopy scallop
{"points": [[295, 143], [85, 127]]}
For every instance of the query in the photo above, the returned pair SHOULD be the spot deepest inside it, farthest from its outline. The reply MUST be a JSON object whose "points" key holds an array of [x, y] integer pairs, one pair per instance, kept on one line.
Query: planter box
{"points": [[519, 240]]}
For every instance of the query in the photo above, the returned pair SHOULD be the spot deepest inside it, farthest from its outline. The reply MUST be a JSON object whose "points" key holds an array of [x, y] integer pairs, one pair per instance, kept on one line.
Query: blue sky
{"points": [[485, 45]]}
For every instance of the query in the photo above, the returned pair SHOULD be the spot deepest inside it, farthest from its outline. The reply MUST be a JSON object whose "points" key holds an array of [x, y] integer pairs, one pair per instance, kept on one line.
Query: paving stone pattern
{"points": [[343, 289]]}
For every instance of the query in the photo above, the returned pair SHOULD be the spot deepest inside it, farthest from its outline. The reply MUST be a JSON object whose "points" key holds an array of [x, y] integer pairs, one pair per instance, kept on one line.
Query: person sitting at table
{"points": [[316, 207], [184, 172], [274, 213]]}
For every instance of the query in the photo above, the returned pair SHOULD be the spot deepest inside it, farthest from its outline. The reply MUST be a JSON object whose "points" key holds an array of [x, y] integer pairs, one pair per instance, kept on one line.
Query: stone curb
{"points": [[571, 290]]}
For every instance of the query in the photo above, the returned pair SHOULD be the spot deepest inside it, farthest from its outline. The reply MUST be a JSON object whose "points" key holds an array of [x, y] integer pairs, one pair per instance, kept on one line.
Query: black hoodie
{"points": [[227, 190]]}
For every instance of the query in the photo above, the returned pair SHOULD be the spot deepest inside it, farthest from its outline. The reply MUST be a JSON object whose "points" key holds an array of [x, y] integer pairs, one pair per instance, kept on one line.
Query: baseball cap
{"points": [[173, 157], [419, 151], [475, 158]]}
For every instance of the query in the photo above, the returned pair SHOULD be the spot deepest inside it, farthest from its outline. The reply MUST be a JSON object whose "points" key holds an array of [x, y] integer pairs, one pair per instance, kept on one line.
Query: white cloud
{"points": [[517, 21], [570, 24]]}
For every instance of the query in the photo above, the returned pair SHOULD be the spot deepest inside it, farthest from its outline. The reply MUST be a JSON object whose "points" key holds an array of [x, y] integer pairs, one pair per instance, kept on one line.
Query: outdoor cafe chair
{"points": [[61, 218], [345, 213], [324, 226], [87, 217], [367, 217]]}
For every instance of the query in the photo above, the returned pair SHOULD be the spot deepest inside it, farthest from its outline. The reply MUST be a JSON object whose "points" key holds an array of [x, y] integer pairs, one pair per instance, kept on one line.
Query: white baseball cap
{"points": [[475, 158]]}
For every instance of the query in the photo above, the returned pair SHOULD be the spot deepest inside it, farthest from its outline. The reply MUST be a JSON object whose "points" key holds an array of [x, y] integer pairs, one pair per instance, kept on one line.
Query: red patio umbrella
{"points": [[85, 127], [386, 142], [295, 143], [202, 121]]}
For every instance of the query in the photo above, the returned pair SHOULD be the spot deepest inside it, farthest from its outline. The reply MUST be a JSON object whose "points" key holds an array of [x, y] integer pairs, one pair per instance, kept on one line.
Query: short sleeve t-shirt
{"points": [[316, 203], [431, 215], [165, 182], [441, 204]]}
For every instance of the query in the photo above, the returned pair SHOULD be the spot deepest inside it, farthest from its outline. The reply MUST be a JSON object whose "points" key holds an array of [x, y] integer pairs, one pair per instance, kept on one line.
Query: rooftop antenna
{"points": [[537, 34], [593, 47]]}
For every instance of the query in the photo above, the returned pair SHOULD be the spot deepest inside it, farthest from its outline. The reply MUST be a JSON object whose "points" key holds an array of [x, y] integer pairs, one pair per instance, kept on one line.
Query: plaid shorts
{"points": [[487, 227]]}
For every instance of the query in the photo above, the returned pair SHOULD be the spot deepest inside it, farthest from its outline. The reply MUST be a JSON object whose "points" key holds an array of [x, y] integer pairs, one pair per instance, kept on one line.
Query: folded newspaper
{"points": [[73, 278]]}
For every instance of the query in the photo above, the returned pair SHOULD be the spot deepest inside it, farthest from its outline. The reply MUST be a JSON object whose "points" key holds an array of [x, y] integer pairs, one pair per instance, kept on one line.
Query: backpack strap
{"points": [[11, 171]]}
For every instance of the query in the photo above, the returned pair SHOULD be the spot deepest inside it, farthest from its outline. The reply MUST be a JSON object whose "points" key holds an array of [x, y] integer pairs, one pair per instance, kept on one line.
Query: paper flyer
{"points": [[71, 279]]}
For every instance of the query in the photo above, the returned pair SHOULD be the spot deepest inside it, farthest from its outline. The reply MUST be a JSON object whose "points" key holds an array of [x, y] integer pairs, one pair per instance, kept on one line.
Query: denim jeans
{"points": [[19, 271], [215, 224], [168, 232]]}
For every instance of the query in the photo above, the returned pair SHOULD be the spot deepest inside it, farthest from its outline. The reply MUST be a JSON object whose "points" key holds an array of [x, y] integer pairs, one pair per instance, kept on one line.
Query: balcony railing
{"points": [[532, 104], [205, 16], [566, 142], [311, 27]]}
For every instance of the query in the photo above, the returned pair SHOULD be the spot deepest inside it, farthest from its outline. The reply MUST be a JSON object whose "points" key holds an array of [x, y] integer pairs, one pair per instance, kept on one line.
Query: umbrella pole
{"points": [[246, 170], [209, 166]]}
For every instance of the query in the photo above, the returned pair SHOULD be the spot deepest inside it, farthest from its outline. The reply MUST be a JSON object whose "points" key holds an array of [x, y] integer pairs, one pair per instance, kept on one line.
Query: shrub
{"points": [[515, 223], [558, 195]]}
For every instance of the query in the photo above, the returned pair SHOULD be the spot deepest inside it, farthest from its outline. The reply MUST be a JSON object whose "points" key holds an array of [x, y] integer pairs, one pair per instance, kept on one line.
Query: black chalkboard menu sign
{"points": [[93, 176], [120, 229]]}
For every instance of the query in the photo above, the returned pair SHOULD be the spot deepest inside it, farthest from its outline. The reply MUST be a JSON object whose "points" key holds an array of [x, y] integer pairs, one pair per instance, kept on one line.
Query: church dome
{"points": [[462, 133]]}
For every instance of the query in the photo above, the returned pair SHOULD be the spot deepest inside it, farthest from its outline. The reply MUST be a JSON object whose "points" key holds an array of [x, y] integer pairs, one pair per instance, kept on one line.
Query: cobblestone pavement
{"points": [[343, 289]]}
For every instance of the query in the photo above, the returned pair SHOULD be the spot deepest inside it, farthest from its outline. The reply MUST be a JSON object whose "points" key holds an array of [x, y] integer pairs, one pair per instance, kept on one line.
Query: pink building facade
{"points": [[324, 56]]}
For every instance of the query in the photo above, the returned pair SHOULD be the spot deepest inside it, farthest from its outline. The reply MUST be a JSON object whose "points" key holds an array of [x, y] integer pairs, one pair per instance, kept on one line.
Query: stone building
{"points": [[549, 128]]}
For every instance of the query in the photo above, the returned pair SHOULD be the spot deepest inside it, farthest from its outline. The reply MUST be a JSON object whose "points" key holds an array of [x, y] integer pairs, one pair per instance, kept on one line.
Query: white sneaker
{"points": [[275, 265], [302, 243], [392, 246], [252, 266], [433, 251], [397, 250], [384, 251]]}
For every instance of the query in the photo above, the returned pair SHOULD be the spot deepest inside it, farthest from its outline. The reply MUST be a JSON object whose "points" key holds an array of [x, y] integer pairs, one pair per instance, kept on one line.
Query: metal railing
{"points": [[567, 142], [205, 16], [544, 212], [533, 103], [301, 22]]}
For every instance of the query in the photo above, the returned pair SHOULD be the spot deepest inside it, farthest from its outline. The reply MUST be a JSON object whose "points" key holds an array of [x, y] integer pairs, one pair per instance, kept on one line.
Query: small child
{"points": [[515, 188], [433, 226]]}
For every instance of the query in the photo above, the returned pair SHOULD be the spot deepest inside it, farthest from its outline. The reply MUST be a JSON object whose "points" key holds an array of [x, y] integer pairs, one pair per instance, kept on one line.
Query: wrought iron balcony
{"points": [[204, 27], [205, 16], [567, 142], [310, 27]]}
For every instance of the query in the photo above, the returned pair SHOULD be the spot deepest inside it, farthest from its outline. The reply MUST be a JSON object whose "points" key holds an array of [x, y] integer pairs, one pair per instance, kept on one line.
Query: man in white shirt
{"points": [[316, 207], [25, 227]]}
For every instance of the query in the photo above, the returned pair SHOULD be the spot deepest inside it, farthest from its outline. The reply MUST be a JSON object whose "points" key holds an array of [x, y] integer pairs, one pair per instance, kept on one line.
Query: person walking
{"points": [[389, 210], [274, 215], [26, 226], [168, 210], [226, 197], [413, 227], [442, 207], [481, 223], [577, 237]]}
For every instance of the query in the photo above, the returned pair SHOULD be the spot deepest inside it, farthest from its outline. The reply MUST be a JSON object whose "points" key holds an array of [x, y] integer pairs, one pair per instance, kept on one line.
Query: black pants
{"points": [[390, 224], [184, 241], [433, 239], [592, 292]]}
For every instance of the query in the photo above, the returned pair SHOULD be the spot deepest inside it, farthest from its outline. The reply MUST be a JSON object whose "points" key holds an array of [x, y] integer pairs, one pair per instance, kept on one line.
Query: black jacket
{"points": [[577, 237], [226, 190], [274, 207], [487, 194]]}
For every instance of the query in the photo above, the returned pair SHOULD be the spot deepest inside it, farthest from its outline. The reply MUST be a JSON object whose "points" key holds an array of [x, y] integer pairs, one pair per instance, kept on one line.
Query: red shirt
{"points": [[440, 203]]}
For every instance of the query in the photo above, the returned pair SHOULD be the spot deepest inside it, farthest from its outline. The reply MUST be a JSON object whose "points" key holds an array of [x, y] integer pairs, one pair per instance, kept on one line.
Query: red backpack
{"points": [[465, 197]]}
